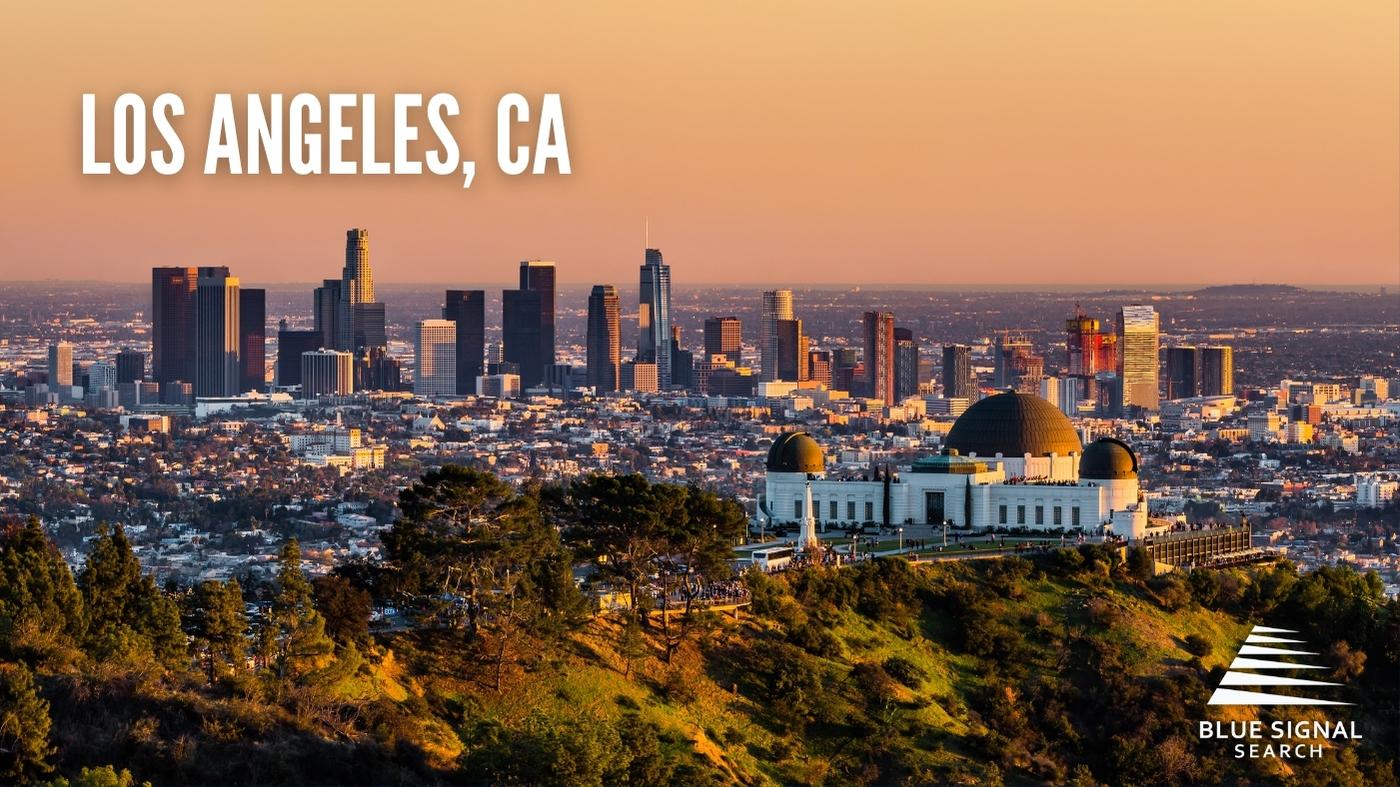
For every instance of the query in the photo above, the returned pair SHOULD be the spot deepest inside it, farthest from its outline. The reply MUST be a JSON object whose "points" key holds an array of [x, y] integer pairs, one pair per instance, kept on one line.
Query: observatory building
{"points": [[1011, 460]]}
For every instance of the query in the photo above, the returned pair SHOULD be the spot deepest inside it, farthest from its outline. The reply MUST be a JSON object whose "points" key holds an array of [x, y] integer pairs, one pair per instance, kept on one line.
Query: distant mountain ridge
{"points": [[1249, 289]]}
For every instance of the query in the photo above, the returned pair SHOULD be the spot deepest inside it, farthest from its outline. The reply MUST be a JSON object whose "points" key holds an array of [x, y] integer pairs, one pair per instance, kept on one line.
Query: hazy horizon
{"points": [[681, 286]]}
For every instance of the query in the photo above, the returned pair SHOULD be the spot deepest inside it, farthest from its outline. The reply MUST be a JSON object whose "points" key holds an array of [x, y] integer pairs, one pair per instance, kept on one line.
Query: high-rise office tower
{"points": [[325, 373], [792, 351], [290, 345], [173, 323], [1183, 370], [654, 316], [844, 361], [639, 376], [325, 305], [538, 276], [252, 340], [957, 372], [435, 358], [906, 364], [467, 308], [379, 371], [879, 356], [368, 319], [1138, 356], [101, 376], [358, 278], [60, 365], [777, 306], [604, 338], [520, 335], [217, 333], [1217, 371], [131, 366], [682, 362], [723, 336], [1009, 347], [819, 367], [356, 286]]}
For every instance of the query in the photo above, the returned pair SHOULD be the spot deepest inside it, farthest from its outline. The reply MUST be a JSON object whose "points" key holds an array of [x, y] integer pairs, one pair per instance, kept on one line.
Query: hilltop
{"points": [[1071, 667]]}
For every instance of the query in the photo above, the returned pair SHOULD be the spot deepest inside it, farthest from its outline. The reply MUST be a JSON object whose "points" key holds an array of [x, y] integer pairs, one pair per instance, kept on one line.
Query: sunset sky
{"points": [[941, 143]]}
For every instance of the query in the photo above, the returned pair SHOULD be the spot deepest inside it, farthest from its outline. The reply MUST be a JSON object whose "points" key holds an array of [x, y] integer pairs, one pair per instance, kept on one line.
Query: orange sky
{"points": [[929, 142]]}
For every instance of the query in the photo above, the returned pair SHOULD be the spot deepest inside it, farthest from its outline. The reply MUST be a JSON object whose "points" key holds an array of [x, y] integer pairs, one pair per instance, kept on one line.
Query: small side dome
{"points": [[796, 452], [1108, 459]]}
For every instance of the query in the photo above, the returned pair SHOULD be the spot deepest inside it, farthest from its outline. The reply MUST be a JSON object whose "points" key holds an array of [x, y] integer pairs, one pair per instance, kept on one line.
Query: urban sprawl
{"points": [[930, 425]]}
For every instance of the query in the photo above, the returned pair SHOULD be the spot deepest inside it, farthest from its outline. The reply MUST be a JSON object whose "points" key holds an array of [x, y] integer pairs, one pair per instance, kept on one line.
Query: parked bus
{"points": [[773, 558]]}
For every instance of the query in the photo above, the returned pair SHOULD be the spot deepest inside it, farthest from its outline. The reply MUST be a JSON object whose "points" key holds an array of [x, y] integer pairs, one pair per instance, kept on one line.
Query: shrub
{"points": [[905, 671], [1197, 645]]}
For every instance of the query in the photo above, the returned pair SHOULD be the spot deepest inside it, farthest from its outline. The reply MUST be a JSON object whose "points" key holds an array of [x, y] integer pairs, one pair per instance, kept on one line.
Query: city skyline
{"points": [[1237, 148]]}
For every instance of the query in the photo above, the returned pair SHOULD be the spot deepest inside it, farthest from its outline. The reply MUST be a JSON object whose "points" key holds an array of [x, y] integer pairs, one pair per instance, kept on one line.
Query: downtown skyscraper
{"points": [[723, 336], [906, 364], [792, 351], [1217, 371], [356, 287], [131, 366], [467, 308], [217, 334], [527, 322], [350, 319], [172, 323], [60, 367], [177, 329], [603, 339], [435, 358], [777, 306], [1183, 372], [958, 382], [1137, 328], [879, 356], [252, 340], [654, 316]]}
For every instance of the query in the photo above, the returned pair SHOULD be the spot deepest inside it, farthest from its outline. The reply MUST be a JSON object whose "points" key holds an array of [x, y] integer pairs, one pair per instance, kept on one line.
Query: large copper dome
{"points": [[796, 452], [1013, 424]]}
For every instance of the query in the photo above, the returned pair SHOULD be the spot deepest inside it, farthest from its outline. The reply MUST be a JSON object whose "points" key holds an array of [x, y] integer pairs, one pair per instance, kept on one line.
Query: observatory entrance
{"points": [[933, 507]]}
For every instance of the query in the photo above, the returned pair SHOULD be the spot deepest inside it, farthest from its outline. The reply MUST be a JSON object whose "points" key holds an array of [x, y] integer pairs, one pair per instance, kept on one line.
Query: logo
{"points": [[1264, 642], [1265, 654]]}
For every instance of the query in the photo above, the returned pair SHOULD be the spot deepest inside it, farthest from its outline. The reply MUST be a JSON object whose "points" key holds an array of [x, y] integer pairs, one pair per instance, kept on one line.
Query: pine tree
{"points": [[220, 625], [301, 631], [110, 582], [24, 727], [129, 619], [40, 607], [158, 620], [346, 609]]}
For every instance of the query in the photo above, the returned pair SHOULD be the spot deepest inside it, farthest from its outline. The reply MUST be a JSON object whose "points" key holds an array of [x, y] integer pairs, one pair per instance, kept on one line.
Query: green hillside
{"points": [[1071, 668]]}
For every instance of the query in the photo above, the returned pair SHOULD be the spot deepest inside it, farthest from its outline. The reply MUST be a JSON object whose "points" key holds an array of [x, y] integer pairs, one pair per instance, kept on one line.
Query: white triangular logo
{"points": [[1260, 634]]}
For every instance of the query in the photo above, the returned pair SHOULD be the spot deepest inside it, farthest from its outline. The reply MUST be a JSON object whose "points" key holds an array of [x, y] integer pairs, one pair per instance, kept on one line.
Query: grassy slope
{"points": [[587, 681]]}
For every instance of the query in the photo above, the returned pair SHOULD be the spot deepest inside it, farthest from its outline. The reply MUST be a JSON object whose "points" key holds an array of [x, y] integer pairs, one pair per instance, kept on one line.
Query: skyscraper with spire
{"points": [[654, 317], [355, 320]]}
